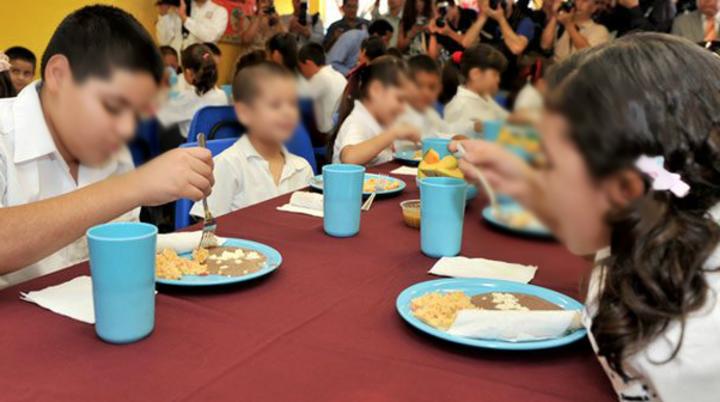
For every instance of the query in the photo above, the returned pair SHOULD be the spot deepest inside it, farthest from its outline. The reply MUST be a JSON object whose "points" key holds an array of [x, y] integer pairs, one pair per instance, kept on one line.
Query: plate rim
{"points": [[488, 217], [403, 310]]}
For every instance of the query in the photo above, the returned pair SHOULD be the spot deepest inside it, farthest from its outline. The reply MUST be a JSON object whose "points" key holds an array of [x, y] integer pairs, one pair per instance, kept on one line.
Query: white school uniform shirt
{"points": [[243, 178], [530, 101], [206, 23], [428, 121], [693, 374], [359, 127], [326, 88], [31, 170], [181, 108], [467, 107]]}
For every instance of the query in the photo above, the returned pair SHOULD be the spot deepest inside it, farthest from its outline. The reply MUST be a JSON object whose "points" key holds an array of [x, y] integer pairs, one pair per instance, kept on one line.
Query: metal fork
{"points": [[208, 238]]}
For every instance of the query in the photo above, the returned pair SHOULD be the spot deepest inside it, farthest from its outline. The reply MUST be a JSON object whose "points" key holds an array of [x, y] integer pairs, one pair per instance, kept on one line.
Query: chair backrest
{"points": [[183, 205], [227, 88], [301, 145], [440, 108], [216, 122], [146, 143]]}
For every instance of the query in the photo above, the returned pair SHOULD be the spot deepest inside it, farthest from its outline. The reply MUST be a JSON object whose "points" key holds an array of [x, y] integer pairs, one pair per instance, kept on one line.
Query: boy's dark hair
{"points": [[7, 90], [380, 28], [373, 47], [422, 63], [286, 44], [250, 59], [246, 84], [213, 48], [168, 51], [313, 52], [198, 58], [394, 52], [21, 53], [98, 39]]}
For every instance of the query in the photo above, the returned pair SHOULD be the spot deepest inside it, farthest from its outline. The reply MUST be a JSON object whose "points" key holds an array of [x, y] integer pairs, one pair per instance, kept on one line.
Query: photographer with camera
{"points": [[305, 27], [258, 28], [182, 23], [412, 38], [348, 22], [580, 31], [447, 29]]}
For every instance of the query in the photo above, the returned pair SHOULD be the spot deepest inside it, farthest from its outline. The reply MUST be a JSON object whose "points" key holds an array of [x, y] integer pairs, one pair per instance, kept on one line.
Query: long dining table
{"points": [[323, 327]]}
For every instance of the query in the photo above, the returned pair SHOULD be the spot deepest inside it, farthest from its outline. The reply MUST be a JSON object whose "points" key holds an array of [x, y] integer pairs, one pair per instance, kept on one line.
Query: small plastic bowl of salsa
{"points": [[411, 213]]}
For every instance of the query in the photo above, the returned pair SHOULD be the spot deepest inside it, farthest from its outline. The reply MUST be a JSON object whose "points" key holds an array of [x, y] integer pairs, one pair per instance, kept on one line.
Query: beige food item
{"points": [[369, 185], [439, 310], [518, 219], [509, 301], [168, 265], [234, 261]]}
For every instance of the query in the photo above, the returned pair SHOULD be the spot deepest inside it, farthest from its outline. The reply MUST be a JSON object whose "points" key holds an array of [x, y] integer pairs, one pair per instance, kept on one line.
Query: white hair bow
{"points": [[662, 179], [4, 62]]}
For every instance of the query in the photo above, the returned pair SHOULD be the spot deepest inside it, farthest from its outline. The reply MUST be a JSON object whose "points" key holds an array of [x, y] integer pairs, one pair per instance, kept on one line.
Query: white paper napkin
{"points": [[304, 202], [405, 170], [72, 299], [182, 242], [514, 326], [463, 267]]}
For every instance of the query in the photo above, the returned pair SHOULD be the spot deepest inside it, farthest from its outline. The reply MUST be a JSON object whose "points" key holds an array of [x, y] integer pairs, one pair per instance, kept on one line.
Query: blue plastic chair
{"points": [[216, 122], [502, 98], [301, 145], [440, 108], [183, 205], [146, 144], [228, 92]]}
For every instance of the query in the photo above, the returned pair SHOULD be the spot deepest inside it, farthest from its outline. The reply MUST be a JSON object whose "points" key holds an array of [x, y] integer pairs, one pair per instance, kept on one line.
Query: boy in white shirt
{"points": [[258, 167], [63, 162], [480, 69], [180, 26], [325, 85]]}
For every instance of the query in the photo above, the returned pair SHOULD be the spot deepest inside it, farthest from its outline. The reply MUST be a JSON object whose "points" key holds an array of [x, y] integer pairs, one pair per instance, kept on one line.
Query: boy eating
{"points": [[64, 166]]}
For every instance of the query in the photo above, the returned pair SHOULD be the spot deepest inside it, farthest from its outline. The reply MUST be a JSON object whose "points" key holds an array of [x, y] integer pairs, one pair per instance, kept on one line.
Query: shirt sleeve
{"points": [[3, 176], [227, 186], [526, 28], [212, 30], [338, 55], [598, 35], [168, 28]]}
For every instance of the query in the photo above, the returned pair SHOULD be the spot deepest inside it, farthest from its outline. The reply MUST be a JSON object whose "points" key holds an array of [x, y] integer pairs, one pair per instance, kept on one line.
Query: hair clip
{"points": [[662, 180], [457, 57], [205, 56], [4, 62]]}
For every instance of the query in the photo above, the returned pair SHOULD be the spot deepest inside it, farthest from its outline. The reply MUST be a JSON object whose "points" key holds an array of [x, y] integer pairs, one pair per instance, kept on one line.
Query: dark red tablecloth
{"points": [[321, 328]]}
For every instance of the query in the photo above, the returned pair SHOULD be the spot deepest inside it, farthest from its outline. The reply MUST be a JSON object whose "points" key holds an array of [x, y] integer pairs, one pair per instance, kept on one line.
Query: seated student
{"points": [[421, 95], [480, 70], [200, 71], [258, 167], [325, 85], [370, 49], [63, 163], [282, 49], [23, 63], [249, 59], [368, 113], [7, 89], [216, 52], [170, 58], [631, 176], [343, 55], [529, 102]]}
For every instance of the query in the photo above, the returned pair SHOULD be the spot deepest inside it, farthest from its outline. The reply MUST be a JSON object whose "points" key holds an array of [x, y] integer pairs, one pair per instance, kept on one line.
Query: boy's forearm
{"points": [[366, 151], [34, 231]]}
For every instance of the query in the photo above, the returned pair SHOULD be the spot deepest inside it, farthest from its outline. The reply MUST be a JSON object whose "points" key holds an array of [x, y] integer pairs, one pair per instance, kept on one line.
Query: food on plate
{"points": [[225, 261], [512, 301], [433, 166], [521, 141], [519, 219], [379, 184], [168, 265], [440, 309], [411, 213]]}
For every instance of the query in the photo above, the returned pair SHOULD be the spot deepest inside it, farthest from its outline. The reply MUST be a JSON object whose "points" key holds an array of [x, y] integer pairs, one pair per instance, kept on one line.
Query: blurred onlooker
{"points": [[7, 89], [448, 27], [348, 22], [258, 28], [182, 23], [344, 54], [325, 85], [579, 29], [393, 16], [700, 25], [22, 66], [626, 16], [413, 38], [304, 26]]}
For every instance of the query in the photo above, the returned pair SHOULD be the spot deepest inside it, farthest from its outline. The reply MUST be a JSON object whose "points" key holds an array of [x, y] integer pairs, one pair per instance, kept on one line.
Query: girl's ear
{"points": [[623, 187], [57, 72]]}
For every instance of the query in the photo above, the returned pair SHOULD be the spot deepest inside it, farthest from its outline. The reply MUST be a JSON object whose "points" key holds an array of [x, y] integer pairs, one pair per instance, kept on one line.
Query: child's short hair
{"points": [[484, 57], [21, 53], [213, 48], [98, 39], [313, 52], [394, 52], [422, 63], [198, 58], [286, 45], [250, 59], [380, 28], [373, 47], [246, 84], [169, 51]]}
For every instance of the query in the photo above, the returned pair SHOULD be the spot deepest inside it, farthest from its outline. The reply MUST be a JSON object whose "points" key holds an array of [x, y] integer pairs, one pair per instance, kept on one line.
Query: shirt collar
{"points": [[32, 135], [251, 153], [463, 91], [366, 116]]}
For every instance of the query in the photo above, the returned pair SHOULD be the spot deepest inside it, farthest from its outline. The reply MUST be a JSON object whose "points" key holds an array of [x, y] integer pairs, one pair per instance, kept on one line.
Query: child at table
{"points": [[372, 102], [64, 166], [473, 102], [632, 176], [258, 167]]}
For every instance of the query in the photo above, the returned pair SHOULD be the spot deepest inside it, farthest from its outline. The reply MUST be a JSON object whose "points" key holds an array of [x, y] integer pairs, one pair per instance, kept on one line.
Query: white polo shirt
{"points": [[243, 178], [31, 170], [206, 23], [181, 108], [326, 88], [467, 107], [359, 127], [429, 122]]}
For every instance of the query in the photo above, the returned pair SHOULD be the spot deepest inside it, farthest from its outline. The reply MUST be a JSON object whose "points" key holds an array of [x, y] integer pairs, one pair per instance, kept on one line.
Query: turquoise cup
{"points": [[122, 265], [342, 199], [442, 209], [439, 145], [491, 129]]}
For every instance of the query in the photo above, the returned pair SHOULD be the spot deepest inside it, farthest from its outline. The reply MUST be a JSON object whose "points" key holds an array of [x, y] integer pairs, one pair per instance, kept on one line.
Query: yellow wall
{"points": [[31, 23]]}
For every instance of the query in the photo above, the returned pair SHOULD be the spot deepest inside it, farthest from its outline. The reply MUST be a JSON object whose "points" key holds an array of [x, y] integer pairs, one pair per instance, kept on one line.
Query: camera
{"points": [[442, 10], [302, 17], [421, 20], [567, 6]]}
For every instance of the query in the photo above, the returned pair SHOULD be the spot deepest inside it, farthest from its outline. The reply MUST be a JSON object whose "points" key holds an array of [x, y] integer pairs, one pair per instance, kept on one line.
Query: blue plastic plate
{"points": [[474, 287], [408, 157], [535, 230], [317, 183], [274, 259]]}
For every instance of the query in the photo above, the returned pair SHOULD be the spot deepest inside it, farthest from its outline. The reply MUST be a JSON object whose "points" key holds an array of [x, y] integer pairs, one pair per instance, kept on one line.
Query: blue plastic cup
{"points": [[442, 209], [439, 145], [122, 264], [342, 199], [491, 129]]}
